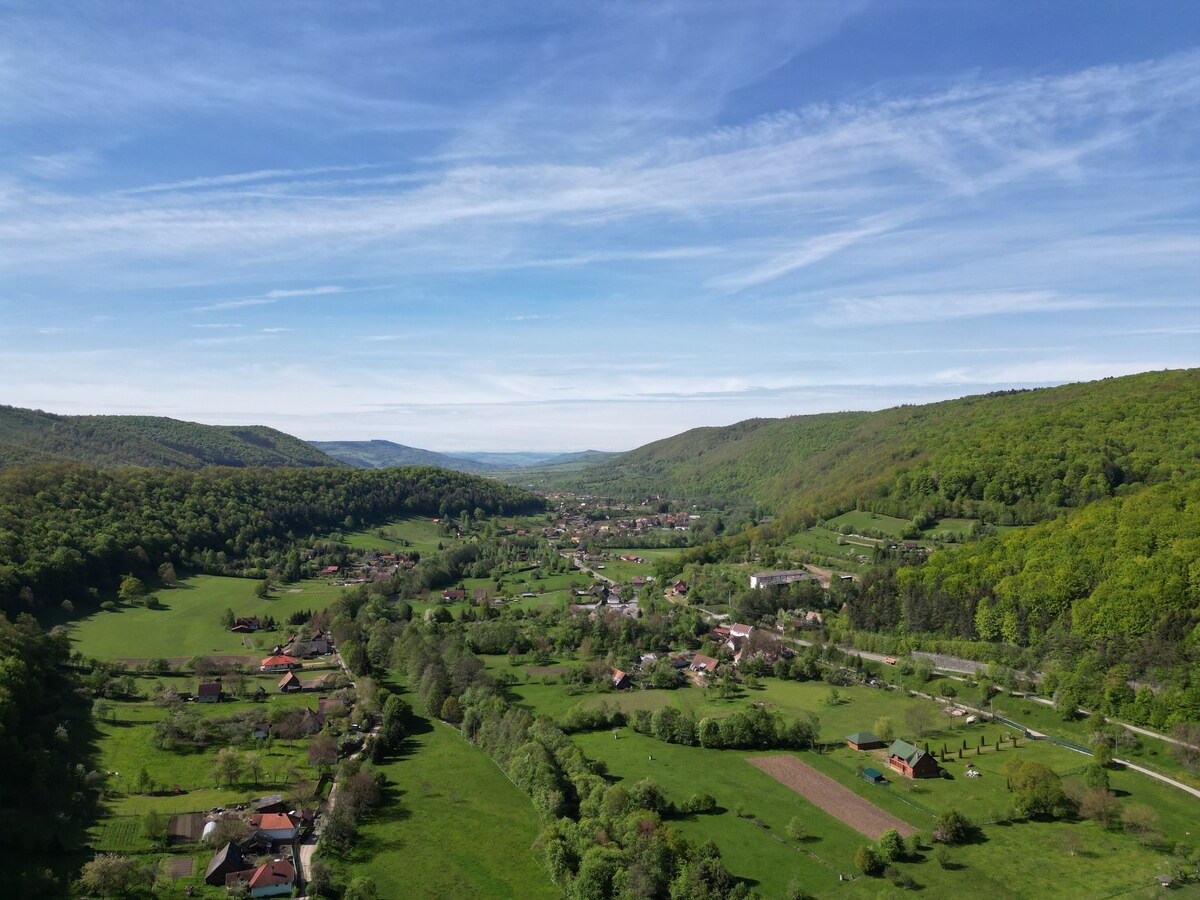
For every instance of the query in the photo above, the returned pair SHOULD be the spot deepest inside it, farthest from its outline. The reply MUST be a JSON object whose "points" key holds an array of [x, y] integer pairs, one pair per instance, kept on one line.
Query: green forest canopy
{"points": [[30, 436], [1017, 456], [65, 528]]}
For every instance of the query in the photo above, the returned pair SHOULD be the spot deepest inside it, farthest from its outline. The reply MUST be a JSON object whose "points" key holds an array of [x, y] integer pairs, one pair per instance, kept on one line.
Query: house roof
{"points": [[906, 751], [863, 737], [209, 689], [272, 821], [273, 873], [269, 800], [229, 856], [707, 663], [279, 661], [288, 679]]}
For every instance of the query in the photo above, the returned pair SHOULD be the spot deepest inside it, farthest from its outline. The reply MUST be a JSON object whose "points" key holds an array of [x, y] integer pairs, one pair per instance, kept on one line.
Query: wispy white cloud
{"points": [[243, 178], [854, 312], [270, 297]]}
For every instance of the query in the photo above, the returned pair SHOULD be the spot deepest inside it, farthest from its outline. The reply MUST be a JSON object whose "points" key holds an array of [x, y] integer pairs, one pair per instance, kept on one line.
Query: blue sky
{"points": [[569, 225]]}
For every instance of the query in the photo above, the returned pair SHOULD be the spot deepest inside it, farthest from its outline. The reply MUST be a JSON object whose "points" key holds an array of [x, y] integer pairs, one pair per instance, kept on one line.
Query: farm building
{"points": [[620, 680], [289, 683], [765, 579], [874, 776], [863, 740], [912, 761], [272, 803], [208, 692], [224, 862]]}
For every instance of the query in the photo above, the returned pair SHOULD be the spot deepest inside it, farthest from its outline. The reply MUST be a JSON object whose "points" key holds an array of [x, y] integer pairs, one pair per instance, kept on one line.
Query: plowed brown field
{"points": [[840, 802]]}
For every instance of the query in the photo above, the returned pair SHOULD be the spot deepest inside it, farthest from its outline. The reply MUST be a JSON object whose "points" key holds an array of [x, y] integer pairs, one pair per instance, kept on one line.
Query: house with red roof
{"points": [[276, 826], [271, 879], [279, 663]]}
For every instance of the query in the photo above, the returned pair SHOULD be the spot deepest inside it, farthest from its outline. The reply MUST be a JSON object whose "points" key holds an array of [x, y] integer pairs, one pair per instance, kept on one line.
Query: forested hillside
{"points": [[383, 454], [1015, 457], [1105, 594], [31, 436], [67, 528]]}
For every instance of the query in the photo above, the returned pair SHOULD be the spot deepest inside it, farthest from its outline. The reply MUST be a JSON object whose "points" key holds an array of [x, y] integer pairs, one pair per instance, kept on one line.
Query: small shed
{"points": [[864, 740], [874, 776]]}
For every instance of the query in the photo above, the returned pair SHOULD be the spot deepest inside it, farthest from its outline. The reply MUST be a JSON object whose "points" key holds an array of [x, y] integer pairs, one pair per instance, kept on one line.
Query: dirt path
{"points": [[840, 802]]}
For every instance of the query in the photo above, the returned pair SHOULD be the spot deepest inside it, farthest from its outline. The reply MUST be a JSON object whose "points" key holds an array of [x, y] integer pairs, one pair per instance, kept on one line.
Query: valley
{"points": [[447, 680]]}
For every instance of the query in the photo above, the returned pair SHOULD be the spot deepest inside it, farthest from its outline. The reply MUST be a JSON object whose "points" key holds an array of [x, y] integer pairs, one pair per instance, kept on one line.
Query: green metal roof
{"points": [[863, 737], [906, 751]]}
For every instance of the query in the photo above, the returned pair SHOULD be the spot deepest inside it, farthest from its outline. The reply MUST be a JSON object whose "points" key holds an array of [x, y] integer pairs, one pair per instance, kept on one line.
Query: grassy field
{"points": [[402, 535], [859, 520], [189, 622], [453, 826], [1026, 859]]}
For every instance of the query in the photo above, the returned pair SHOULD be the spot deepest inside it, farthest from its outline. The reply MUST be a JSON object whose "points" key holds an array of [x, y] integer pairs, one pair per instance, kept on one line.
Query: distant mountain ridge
{"points": [[381, 454], [29, 436]]}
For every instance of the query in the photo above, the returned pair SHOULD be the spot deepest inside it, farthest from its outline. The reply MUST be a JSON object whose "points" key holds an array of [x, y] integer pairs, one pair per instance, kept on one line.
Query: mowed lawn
{"points": [[189, 624], [452, 825]]}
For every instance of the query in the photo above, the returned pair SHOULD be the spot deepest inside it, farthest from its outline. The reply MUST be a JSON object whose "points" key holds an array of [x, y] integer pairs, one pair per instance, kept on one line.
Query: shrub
{"points": [[700, 803], [867, 860], [952, 827], [891, 847]]}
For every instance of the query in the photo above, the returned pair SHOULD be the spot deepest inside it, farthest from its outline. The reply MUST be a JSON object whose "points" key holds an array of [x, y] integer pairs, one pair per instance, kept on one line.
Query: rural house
{"points": [[271, 879], [620, 680], [279, 663], [705, 665], [912, 761], [208, 692], [276, 826]]}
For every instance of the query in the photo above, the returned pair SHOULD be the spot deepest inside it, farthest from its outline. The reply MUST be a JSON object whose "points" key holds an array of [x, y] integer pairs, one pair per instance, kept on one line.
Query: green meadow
{"points": [[189, 622], [452, 825], [1024, 860]]}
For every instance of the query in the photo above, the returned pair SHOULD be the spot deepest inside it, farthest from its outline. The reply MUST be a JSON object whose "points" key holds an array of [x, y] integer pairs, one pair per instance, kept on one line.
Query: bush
{"points": [[891, 847], [867, 860], [700, 803], [952, 827]]}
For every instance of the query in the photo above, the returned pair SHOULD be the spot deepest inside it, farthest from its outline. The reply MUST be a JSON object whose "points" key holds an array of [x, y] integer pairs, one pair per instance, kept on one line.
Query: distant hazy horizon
{"points": [[566, 226]]}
